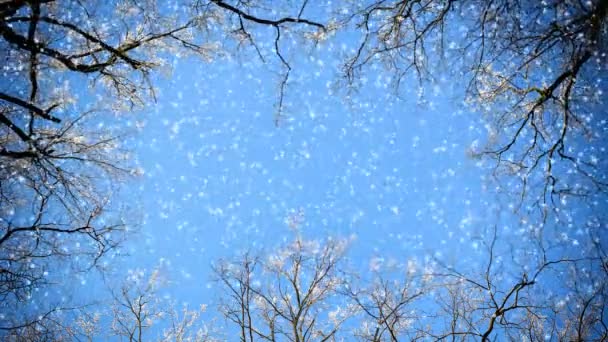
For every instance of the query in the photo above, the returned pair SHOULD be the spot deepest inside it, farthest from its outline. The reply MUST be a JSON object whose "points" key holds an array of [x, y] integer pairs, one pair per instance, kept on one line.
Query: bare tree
{"points": [[532, 294], [185, 325], [389, 307], [303, 292], [59, 166], [534, 67], [245, 16], [136, 307], [137, 312], [288, 295], [537, 295], [70, 69], [53, 325]]}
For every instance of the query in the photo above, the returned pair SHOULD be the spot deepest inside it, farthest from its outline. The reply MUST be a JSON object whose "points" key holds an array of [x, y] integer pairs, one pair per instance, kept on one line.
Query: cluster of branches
{"points": [[68, 68], [246, 17], [294, 301], [535, 68], [305, 293], [136, 312], [306, 290]]}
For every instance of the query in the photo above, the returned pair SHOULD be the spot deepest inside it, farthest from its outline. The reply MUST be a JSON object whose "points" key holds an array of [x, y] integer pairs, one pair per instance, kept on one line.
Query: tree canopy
{"points": [[75, 75]]}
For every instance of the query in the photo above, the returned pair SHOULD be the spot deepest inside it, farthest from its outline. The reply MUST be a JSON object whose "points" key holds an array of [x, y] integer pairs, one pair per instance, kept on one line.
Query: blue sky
{"points": [[220, 177], [391, 171]]}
